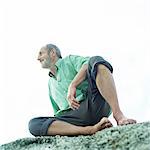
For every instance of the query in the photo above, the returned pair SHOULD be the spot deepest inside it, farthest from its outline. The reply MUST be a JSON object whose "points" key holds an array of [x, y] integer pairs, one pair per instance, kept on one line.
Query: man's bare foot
{"points": [[102, 124], [122, 120], [125, 121]]}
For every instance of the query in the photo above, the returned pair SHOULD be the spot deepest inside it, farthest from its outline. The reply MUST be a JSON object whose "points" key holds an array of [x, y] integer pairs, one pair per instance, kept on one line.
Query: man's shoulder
{"points": [[70, 57]]}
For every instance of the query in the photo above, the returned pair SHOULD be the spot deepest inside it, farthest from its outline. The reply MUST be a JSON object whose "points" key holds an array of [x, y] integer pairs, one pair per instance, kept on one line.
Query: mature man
{"points": [[82, 93]]}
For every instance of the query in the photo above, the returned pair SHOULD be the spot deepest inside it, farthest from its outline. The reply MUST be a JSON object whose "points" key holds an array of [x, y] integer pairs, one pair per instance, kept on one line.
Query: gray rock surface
{"points": [[130, 137]]}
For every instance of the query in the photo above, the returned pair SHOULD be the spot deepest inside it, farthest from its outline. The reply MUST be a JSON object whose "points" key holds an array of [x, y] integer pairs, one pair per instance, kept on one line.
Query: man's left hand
{"points": [[71, 97]]}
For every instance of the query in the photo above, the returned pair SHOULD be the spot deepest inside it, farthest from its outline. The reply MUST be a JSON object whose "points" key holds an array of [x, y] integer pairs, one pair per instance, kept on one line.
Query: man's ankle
{"points": [[118, 115], [88, 130]]}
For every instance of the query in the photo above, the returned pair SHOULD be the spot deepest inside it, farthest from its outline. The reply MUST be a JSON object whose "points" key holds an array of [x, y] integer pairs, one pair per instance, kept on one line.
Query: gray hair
{"points": [[51, 46]]}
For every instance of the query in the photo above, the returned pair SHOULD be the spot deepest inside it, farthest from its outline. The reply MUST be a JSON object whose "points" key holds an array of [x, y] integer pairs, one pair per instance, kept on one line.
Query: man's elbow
{"points": [[85, 66]]}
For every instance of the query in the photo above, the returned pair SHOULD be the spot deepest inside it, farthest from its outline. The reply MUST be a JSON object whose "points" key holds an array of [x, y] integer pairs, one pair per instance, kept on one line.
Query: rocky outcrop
{"points": [[130, 137]]}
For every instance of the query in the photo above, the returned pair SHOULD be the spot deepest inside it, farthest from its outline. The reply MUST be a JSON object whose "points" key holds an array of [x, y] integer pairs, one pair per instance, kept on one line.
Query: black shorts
{"points": [[91, 110]]}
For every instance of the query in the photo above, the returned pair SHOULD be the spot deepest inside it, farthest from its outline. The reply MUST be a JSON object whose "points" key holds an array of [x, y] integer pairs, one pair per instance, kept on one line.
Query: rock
{"points": [[129, 137]]}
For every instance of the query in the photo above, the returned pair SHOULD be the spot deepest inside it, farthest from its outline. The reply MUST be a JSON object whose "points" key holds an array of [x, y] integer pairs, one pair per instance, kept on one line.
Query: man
{"points": [[82, 93]]}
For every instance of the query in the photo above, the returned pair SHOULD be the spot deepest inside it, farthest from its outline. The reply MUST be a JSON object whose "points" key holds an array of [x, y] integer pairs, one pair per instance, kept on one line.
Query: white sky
{"points": [[117, 30]]}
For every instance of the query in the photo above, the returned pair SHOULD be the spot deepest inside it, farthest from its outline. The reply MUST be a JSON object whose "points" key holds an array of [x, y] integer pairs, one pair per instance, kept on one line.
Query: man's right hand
{"points": [[71, 97]]}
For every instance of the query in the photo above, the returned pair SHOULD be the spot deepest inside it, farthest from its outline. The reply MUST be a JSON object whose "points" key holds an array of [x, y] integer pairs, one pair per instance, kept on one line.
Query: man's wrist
{"points": [[73, 84]]}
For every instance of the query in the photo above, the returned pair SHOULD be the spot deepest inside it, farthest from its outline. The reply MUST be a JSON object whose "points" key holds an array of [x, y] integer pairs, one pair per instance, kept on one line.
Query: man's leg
{"points": [[63, 128], [106, 86]]}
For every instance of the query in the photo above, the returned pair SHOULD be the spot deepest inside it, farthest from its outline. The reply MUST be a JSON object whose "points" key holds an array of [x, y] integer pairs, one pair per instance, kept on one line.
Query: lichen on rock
{"points": [[129, 137]]}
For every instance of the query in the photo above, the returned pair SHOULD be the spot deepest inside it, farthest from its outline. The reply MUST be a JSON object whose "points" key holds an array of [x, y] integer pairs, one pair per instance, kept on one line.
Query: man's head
{"points": [[48, 55]]}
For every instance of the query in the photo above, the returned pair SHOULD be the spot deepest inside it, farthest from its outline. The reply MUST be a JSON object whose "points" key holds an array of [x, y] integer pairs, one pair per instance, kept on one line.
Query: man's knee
{"points": [[99, 63], [33, 127], [102, 69]]}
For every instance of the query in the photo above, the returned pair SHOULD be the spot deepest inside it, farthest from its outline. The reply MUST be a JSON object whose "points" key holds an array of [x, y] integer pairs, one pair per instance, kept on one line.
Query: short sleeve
{"points": [[78, 61]]}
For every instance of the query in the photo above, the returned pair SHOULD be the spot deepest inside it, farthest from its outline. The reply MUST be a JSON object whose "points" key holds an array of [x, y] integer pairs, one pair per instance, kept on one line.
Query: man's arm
{"points": [[80, 76]]}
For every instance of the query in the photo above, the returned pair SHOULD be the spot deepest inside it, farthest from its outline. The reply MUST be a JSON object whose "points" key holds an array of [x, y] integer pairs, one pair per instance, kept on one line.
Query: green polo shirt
{"points": [[67, 68]]}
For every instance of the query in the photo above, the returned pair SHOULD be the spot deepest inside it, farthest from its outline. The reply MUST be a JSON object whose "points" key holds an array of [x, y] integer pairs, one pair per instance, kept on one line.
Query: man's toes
{"points": [[126, 122], [131, 121], [111, 125], [107, 124], [123, 122], [104, 120]]}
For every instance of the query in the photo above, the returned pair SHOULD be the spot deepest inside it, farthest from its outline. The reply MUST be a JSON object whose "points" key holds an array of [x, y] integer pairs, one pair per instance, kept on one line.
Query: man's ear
{"points": [[53, 51]]}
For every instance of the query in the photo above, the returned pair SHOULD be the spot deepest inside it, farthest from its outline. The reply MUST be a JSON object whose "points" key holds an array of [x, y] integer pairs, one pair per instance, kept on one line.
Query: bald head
{"points": [[49, 47]]}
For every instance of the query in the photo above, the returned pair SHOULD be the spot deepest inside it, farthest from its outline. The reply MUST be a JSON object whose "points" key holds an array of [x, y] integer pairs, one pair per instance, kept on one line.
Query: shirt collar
{"points": [[57, 64]]}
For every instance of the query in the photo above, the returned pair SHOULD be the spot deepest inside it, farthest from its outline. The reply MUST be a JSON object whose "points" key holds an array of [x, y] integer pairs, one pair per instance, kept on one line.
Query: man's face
{"points": [[44, 58]]}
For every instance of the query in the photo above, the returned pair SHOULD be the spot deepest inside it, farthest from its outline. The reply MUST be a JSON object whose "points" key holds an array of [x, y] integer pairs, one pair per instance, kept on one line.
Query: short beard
{"points": [[46, 63]]}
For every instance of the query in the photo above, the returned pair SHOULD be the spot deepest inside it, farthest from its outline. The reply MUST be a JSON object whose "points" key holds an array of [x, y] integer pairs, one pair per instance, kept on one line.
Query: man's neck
{"points": [[53, 68]]}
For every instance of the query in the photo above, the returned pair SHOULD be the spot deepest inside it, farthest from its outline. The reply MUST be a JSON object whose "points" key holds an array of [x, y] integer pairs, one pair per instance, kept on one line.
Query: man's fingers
{"points": [[75, 100], [75, 104], [74, 107]]}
